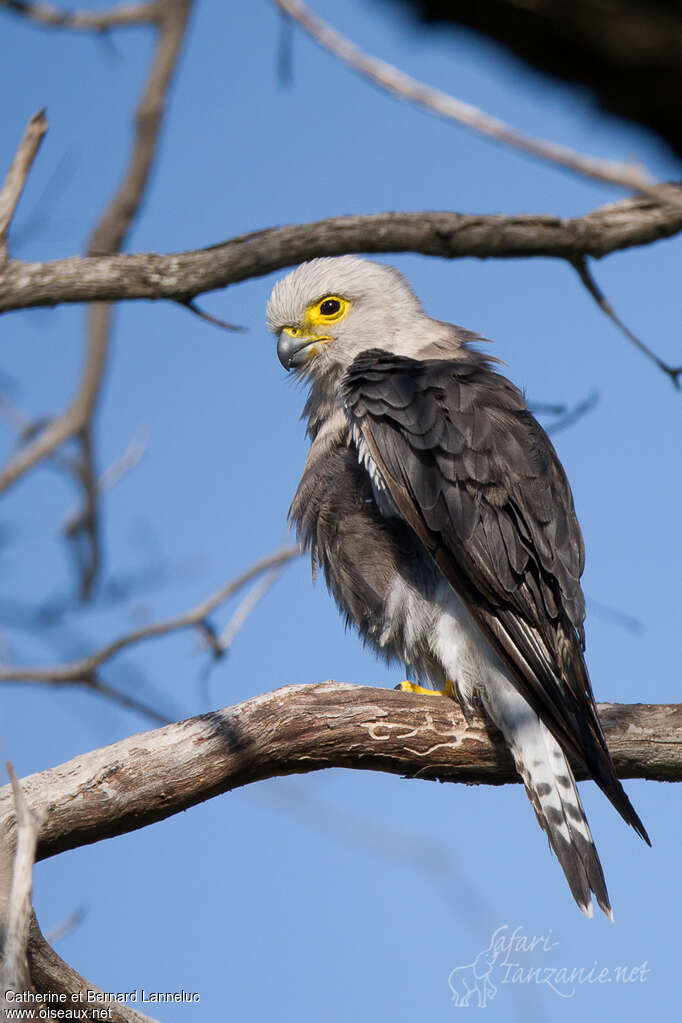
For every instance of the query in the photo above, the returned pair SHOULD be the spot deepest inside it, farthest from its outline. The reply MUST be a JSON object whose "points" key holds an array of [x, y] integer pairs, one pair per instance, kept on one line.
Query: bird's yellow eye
{"points": [[330, 309]]}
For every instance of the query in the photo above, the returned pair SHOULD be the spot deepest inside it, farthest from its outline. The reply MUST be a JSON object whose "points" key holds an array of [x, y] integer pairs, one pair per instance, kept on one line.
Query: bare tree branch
{"points": [[110, 233], [184, 275], [18, 174], [66, 426], [126, 15], [390, 78], [306, 728], [626, 55], [107, 239], [585, 274], [84, 671], [128, 460]]}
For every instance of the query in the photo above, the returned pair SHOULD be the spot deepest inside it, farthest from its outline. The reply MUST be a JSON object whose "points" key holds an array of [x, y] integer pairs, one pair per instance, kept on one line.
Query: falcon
{"points": [[444, 524]]}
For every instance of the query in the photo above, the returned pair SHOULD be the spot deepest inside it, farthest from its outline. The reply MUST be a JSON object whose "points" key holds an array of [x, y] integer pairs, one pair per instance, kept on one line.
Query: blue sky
{"points": [[338, 894]]}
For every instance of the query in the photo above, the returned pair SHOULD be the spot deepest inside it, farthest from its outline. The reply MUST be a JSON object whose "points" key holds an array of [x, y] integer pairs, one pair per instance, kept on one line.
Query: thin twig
{"points": [[125, 463], [285, 72], [585, 274], [51, 975], [210, 318], [64, 427], [543, 408], [28, 823], [66, 927], [125, 700], [18, 173], [84, 670], [386, 76], [616, 617], [125, 16], [572, 415], [245, 607]]}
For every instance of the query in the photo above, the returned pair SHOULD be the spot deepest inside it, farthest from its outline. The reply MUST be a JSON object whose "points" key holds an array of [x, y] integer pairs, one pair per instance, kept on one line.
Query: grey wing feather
{"points": [[477, 479]]}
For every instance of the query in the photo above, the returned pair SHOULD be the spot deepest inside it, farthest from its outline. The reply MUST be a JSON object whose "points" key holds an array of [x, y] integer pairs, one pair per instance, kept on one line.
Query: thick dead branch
{"points": [[295, 730], [184, 275], [18, 173], [383, 74], [125, 16]]}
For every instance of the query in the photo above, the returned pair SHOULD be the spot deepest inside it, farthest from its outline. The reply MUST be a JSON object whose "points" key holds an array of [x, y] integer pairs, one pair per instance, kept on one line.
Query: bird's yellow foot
{"points": [[449, 689], [411, 687]]}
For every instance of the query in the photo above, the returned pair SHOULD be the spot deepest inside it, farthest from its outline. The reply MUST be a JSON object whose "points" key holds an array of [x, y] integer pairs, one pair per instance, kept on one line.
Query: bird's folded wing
{"points": [[477, 479]]}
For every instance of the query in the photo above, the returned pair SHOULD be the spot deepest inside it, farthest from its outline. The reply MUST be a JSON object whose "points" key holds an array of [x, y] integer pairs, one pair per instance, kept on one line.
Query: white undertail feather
{"points": [[471, 663], [552, 790]]}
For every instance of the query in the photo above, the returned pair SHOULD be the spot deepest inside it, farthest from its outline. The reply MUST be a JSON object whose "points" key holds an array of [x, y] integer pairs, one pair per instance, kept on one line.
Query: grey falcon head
{"points": [[327, 311]]}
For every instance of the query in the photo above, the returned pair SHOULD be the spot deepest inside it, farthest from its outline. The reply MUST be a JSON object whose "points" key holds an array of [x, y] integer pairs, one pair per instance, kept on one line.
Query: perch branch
{"points": [[295, 730], [184, 275]]}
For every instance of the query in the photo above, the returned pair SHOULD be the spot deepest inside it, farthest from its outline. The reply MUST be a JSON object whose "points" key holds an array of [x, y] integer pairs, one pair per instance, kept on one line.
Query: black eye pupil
{"points": [[330, 306]]}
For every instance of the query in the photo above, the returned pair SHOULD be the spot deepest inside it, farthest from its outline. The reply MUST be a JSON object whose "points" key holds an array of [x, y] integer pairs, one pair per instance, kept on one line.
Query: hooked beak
{"points": [[295, 351]]}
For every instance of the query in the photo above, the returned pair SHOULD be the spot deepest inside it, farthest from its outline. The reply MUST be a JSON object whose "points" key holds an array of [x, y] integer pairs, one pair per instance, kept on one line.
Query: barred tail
{"points": [[552, 790]]}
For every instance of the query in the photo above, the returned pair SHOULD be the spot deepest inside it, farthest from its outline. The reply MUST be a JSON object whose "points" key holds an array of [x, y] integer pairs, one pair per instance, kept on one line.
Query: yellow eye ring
{"points": [[329, 309]]}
